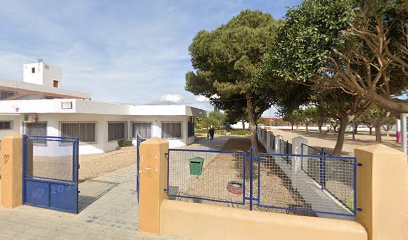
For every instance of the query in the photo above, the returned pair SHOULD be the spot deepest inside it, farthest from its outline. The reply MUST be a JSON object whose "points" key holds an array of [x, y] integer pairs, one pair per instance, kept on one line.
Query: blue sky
{"points": [[119, 51]]}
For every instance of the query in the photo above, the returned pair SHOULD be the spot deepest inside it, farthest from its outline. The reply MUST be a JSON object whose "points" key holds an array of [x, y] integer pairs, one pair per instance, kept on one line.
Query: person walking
{"points": [[211, 131]]}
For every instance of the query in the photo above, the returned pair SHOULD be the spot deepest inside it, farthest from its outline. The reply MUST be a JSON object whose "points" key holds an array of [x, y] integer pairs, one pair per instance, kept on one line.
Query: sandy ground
{"points": [[93, 165], [212, 183], [328, 141]]}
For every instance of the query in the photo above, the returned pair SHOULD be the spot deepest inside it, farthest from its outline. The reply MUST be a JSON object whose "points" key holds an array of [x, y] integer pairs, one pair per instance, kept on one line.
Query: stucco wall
{"points": [[201, 221], [15, 125]]}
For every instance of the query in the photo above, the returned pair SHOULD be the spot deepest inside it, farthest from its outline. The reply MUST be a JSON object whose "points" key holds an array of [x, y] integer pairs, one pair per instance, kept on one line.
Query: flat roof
{"points": [[92, 107], [24, 88]]}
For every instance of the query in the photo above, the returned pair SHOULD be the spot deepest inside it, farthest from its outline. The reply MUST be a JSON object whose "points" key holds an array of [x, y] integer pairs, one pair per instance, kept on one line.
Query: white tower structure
{"points": [[42, 74]]}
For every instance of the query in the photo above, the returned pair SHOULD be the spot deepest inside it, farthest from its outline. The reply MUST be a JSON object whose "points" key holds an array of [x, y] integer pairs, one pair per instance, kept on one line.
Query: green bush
{"points": [[125, 143], [221, 132]]}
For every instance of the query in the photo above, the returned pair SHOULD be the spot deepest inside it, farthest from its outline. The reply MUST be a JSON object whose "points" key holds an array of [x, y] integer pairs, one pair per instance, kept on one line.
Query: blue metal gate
{"points": [[139, 140], [50, 172]]}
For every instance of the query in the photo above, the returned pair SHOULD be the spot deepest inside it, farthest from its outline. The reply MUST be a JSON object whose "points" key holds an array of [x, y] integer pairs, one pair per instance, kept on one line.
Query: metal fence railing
{"points": [[267, 182], [300, 193]]}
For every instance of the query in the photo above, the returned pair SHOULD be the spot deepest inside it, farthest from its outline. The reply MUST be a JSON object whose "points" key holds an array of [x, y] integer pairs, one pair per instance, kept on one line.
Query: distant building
{"points": [[39, 106]]}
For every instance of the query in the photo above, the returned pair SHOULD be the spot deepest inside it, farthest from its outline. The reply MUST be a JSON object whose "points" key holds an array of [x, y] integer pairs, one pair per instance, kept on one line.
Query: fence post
{"points": [[322, 163], [12, 171], [153, 182], [382, 192], [251, 175]]}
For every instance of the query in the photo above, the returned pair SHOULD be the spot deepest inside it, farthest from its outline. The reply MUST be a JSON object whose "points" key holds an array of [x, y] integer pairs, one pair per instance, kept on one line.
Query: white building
{"points": [[99, 126]]}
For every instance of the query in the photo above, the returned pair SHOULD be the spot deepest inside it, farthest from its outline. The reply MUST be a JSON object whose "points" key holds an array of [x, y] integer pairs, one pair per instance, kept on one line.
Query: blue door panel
{"points": [[37, 193], [64, 197]]}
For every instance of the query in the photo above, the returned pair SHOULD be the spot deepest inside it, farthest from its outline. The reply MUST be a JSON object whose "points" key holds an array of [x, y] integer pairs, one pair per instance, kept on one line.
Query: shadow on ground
{"points": [[91, 191]]}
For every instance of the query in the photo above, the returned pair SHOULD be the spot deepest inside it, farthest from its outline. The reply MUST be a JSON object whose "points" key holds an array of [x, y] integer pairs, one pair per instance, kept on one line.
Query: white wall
{"points": [[102, 144], [44, 74]]}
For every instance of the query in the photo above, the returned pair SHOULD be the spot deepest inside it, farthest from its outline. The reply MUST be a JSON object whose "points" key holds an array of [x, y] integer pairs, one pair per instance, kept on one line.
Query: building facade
{"points": [[99, 126]]}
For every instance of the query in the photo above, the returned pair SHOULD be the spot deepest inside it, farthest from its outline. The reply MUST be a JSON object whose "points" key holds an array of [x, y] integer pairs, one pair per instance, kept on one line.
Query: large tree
{"points": [[227, 62], [360, 47]]}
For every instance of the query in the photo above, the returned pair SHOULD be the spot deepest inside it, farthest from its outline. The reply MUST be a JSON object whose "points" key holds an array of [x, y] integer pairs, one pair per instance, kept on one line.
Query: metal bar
{"points": [[251, 179], [244, 180], [194, 150], [24, 167], [307, 211], [355, 187], [206, 199], [52, 138], [259, 183], [168, 173], [310, 156]]}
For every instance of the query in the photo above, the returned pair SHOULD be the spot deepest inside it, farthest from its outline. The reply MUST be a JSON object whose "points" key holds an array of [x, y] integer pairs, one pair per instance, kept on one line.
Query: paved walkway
{"points": [[206, 144], [109, 211]]}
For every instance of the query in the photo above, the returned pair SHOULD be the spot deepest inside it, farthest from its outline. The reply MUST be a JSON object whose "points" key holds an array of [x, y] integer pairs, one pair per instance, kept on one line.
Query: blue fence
{"points": [[267, 182]]}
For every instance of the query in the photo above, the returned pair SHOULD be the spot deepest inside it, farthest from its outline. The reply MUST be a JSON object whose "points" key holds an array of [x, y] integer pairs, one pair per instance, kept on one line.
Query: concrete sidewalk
{"points": [[109, 211]]}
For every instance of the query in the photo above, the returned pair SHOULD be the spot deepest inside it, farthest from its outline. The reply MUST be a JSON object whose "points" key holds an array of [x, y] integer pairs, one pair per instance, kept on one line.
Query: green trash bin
{"points": [[196, 166]]}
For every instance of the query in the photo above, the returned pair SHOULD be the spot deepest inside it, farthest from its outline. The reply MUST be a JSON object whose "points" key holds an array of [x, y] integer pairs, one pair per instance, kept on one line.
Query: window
{"points": [[171, 130], [191, 128], [36, 129], [32, 70], [143, 129], [55, 84], [85, 131], [5, 125], [116, 130], [6, 94]]}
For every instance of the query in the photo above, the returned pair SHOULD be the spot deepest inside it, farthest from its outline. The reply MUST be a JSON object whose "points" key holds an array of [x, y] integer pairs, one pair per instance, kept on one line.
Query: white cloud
{"points": [[172, 98], [202, 99]]}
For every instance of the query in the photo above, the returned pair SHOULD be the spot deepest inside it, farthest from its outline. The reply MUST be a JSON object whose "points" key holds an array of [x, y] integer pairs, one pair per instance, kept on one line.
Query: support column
{"points": [[268, 140], [153, 181], [382, 192], [12, 171], [277, 143], [297, 149]]}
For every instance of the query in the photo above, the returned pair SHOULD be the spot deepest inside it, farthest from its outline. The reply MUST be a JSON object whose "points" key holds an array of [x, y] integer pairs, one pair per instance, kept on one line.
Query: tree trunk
{"points": [[371, 130], [340, 136], [252, 124], [292, 124], [307, 127], [243, 122], [320, 127], [378, 133]]}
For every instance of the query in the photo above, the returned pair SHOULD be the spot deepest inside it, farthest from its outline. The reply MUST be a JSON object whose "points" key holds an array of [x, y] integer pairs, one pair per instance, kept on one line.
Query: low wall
{"points": [[201, 221]]}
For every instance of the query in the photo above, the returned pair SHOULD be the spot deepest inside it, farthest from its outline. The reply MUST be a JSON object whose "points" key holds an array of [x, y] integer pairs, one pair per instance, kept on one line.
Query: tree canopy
{"points": [[360, 47], [227, 62]]}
